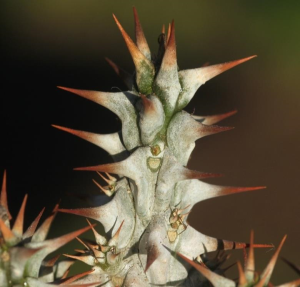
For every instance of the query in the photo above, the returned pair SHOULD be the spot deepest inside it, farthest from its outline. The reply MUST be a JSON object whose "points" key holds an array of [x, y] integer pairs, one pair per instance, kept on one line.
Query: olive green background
{"points": [[49, 43]]}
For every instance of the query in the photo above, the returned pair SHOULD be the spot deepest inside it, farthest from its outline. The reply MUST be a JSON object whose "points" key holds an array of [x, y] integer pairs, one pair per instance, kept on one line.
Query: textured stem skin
{"points": [[147, 239]]}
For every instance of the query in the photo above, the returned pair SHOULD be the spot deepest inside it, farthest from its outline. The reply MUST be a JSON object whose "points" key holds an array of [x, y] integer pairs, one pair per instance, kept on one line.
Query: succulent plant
{"points": [[147, 240], [247, 276], [23, 254]]}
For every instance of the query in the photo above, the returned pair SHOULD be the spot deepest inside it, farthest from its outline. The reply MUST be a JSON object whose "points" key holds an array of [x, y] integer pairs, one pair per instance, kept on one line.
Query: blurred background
{"points": [[50, 43]]}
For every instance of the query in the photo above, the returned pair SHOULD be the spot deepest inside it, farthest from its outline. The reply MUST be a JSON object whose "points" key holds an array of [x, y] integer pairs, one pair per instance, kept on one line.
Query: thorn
{"points": [[169, 33], [8, 235], [214, 278], [140, 61], [250, 263], [62, 240], [84, 135], [87, 259], [193, 174], [180, 210], [51, 262], [41, 233], [170, 59], [31, 229], [242, 277], [18, 225], [140, 37], [94, 96], [210, 120], [114, 240], [103, 141], [270, 267], [3, 196], [225, 190], [106, 191], [163, 29], [204, 130], [79, 251], [111, 177], [101, 240], [80, 241], [85, 212], [115, 168], [209, 72], [78, 276], [109, 181]]}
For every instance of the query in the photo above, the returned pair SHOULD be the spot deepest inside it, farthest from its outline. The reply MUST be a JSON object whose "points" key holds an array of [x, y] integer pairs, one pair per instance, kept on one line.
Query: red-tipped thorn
{"points": [[18, 225], [136, 54], [250, 263], [31, 229], [210, 120], [140, 37], [242, 277], [80, 241], [210, 130], [169, 33], [78, 276], [193, 174], [6, 232], [267, 273], [214, 278], [87, 259], [170, 59], [101, 240], [212, 71], [94, 96], [42, 231], [3, 196], [106, 191]]}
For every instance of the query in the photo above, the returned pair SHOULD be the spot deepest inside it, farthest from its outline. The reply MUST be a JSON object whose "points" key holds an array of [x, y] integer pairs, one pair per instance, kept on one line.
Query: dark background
{"points": [[50, 43]]}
